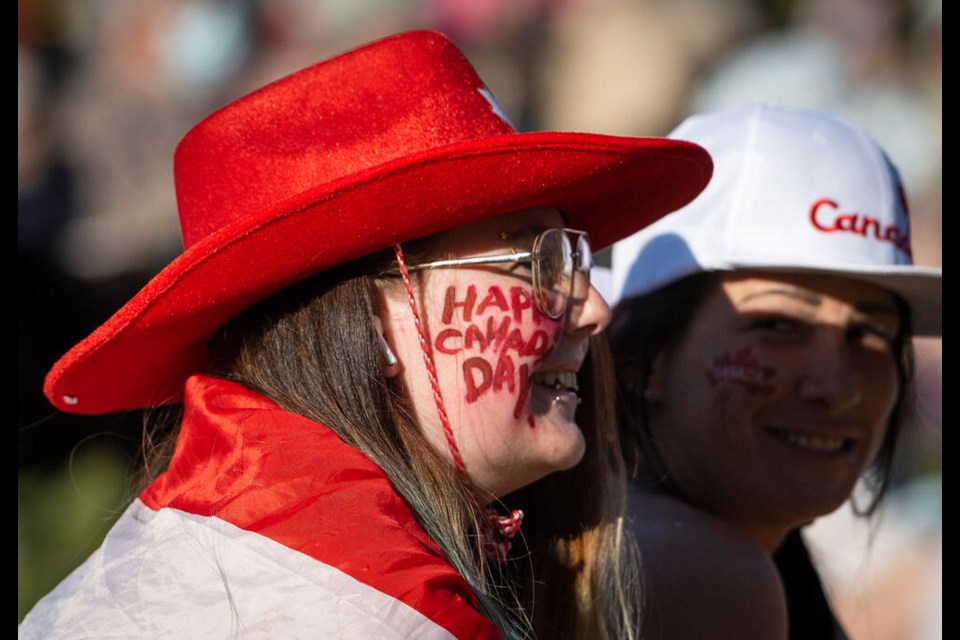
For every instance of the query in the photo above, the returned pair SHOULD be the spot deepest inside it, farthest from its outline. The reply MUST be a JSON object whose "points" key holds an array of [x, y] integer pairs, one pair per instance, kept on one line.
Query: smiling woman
{"points": [[764, 360], [360, 430], [497, 345], [789, 383]]}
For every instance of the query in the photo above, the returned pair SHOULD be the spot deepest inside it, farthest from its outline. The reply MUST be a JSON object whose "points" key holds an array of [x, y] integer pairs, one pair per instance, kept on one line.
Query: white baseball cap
{"points": [[792, 190]]}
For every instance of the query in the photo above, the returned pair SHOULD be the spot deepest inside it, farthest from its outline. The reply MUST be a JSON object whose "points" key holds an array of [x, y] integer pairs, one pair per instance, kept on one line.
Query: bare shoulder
{"points": [[702, 578]]}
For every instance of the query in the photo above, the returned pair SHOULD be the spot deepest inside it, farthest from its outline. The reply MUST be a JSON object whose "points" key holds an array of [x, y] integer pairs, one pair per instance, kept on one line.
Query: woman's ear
{"points": [[391, 366]]}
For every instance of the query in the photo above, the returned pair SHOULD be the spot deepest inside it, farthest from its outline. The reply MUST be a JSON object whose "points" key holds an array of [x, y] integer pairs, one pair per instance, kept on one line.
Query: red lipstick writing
{"points": [[743, 368], [494, 336]]}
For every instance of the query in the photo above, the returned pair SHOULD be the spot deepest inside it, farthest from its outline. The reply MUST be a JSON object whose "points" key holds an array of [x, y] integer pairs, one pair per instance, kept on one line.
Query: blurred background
{"points": [[106, 89]]}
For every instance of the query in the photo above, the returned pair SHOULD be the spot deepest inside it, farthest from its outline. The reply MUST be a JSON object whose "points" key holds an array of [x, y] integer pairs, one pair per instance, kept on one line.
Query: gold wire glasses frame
{"points": [[553, 260]]}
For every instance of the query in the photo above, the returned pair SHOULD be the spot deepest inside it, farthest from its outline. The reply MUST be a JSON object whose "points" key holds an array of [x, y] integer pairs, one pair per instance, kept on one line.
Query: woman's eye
{"points": [[776, 325]]}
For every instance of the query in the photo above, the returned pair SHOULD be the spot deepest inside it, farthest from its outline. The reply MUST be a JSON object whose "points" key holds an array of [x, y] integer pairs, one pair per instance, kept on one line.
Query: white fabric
{"points": [[772, 166], [170, 574]]}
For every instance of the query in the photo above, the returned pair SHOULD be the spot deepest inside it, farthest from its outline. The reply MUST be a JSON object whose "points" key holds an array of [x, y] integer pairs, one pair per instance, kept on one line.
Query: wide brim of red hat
{"points": [[608, 186]]}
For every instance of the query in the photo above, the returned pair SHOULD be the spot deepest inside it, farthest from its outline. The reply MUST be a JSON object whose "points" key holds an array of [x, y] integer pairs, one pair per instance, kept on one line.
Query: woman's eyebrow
{"points": [[871, 308], [803, 295], [525, 233]]}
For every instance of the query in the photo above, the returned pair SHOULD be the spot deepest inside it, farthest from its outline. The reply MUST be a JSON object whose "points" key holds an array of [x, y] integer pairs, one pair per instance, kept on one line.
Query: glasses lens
{"points": [[585, 255], [581, 277], [555, 260]]}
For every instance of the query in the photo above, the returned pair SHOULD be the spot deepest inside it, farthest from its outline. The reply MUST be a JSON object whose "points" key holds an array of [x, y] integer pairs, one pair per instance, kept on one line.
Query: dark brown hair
{"points": [[582, 578]]}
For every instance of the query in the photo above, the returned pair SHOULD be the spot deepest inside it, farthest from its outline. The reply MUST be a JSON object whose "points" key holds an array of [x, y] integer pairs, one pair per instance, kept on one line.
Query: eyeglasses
{"points": [[554, 263]]}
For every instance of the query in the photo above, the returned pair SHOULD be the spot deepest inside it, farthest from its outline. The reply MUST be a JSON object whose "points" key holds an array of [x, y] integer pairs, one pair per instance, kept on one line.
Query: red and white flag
{"points": [[265, 525]]}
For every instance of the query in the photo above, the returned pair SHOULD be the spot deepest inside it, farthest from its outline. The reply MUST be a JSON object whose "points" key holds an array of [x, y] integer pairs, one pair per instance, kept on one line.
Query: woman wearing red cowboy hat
{"points": [[378, 333]]}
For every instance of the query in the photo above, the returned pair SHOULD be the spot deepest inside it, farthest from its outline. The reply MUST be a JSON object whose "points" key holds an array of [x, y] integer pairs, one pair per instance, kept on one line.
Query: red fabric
{"points": [[242, 459], [378, 104], [383, 144]]}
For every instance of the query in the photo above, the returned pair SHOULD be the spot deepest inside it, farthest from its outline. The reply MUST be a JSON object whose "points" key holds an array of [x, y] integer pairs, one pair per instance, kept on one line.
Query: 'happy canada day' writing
{"points": [[490, 332]]}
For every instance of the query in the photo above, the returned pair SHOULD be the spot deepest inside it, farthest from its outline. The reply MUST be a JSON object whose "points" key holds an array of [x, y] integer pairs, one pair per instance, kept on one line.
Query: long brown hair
{"points": [[582, 580]]}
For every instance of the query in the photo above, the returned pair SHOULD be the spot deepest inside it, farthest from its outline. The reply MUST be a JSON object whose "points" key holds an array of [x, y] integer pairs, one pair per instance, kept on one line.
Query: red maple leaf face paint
{"points": [[498, 334], [742, 368]]}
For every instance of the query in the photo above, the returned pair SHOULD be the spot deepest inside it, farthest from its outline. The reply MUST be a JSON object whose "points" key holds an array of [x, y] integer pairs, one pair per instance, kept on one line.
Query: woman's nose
{"points": [[588, 313], [830, 379]]}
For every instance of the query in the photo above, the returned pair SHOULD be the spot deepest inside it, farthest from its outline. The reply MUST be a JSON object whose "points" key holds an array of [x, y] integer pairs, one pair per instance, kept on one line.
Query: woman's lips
{"points": [[559, 380], [554, 388], [816, 442]]}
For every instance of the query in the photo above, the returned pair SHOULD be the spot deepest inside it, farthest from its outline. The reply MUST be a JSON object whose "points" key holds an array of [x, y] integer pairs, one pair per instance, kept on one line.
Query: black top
{"points": [[810, 615]]}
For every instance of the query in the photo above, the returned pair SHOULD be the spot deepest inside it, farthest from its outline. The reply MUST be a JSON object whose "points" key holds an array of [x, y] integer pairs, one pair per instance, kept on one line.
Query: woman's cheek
{"points": [[742, 368], [494, 334]]}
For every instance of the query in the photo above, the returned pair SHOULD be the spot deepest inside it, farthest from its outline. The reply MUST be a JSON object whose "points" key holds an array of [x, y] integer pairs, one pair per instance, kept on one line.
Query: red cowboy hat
{"points": [[389, 142]]}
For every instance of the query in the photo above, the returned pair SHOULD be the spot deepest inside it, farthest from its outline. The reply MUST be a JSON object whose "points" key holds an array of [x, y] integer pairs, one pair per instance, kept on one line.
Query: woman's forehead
{"points": [[509, 228], [808, 289]]}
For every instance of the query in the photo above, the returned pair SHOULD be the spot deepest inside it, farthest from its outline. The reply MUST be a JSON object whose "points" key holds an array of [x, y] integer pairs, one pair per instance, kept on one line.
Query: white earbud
{"points": [[388, 355]]}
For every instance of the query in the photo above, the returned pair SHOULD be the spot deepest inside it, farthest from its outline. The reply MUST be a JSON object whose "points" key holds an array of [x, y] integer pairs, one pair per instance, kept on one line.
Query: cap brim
{"points": [[608, 186], [920, 287]]}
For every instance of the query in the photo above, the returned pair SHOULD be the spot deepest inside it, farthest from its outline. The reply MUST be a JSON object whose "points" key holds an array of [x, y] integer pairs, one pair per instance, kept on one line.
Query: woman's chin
{"points": [[563, 457], [567, 445], [553, 403]]}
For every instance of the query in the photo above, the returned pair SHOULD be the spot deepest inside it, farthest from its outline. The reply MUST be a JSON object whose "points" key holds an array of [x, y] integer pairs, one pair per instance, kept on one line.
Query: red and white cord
{"points": [[502, 528], [431, 369]]}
